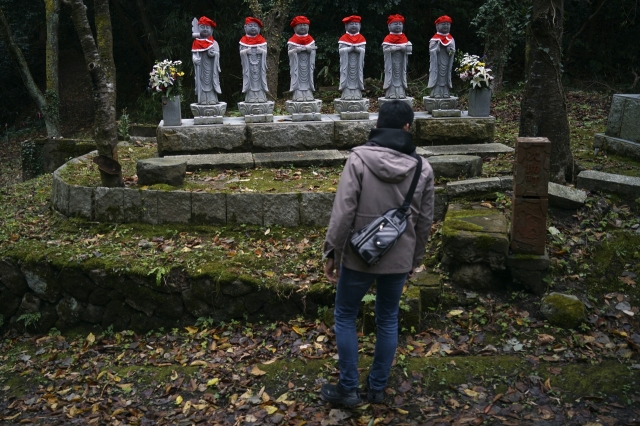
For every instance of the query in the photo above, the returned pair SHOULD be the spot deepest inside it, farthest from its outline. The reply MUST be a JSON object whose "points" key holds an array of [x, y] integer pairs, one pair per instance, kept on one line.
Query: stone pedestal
{"points": [[532, 167], [304, 110], [208, 114], [408, 101], [529, 271], [431, 104], [529, 225], [438, 113], [166, 170], [352, 109], [259, 112]]}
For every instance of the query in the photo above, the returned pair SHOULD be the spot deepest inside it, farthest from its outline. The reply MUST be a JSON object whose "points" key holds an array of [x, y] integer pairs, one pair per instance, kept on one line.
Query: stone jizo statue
{"points": [[396, 49], [442, 48], [302, 60], [253, 55], [352, 48], [205, 53]]}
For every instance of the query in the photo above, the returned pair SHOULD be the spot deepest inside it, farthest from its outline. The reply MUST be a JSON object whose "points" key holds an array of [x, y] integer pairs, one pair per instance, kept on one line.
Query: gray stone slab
{"points": [[208, 120], [565, 197], [281, 209], [349, 134], [453, 166], [329, 157], [60, 193], [208, 208], [481, 149], [109, 205], [507, 183], [614, 122], [201, 139], [149, 205], [260, 118], [81, 201], [214, 161], [315, 208], [132, 205], [611, 145], [473, 186], [437, 113], [285, 136], [245, 208], [630, 126], [167, 170], [174, 207], [606, 182], [453, 131], [440, 203]]}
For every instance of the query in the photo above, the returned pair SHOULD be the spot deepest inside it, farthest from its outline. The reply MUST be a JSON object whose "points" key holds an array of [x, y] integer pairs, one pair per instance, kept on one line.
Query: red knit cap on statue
{"points": [[299, 20], [352, 18], [251, 19], [206, 21], [443, 18], [394, 18]]}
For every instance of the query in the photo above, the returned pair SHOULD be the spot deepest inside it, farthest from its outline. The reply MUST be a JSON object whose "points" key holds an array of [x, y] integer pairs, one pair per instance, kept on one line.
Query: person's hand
{"points": [[411, 272], [330, 271]]}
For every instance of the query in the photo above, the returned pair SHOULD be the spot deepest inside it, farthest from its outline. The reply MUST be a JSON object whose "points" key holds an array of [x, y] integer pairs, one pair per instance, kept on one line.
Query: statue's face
{"points": [[301, 29], [252, 29], [205, 30], [352, 27], [443, 27], [396, 27]]}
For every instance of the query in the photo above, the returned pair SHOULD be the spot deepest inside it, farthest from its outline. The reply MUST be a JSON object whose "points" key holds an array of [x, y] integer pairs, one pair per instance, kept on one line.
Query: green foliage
{"points": [[29, 319], [369, 298], [206, 322], [123, 125]]}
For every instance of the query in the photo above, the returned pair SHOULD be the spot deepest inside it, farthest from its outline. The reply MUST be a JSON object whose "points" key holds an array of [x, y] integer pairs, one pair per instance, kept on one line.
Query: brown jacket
{"points": [[374, 180]]}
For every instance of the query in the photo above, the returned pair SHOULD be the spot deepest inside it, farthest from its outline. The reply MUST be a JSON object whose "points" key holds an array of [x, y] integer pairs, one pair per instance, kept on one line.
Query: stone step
{"points": [[480, 149], [213, 161], [612, 145], [454, 166], [468, 187], [607, 182], [329, 157]]}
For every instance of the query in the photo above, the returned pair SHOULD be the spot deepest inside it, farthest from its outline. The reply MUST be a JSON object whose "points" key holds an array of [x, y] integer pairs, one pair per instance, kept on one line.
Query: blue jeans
{"points": [[352, 286]]}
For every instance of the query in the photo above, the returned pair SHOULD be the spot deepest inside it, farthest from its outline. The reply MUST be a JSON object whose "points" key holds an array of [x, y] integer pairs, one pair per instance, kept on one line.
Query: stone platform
{"points": [[330, 132]]}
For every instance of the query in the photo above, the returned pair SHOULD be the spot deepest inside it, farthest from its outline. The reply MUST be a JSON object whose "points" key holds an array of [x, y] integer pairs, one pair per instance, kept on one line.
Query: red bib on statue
{"points": [[301, 40], [201, 44], [353, 39], [396, 39], [444, 39], [253, 41]]}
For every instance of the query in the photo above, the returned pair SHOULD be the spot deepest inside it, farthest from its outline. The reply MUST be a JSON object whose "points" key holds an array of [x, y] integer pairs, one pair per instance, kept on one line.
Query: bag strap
{"points": [[416, 177]]}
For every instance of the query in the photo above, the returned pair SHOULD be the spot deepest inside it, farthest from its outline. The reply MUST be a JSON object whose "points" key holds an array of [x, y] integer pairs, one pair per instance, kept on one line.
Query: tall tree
{"points": [[543, 108], [98, 55], [274, 20], [49, 102]]}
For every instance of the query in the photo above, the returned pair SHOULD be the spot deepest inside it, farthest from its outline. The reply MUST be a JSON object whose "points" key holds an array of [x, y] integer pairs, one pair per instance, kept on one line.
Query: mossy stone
{"points": [[563, 310]]}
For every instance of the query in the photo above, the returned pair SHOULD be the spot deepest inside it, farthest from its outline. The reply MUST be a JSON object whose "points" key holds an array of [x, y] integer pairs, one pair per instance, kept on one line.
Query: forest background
{"points": [[598, 46]]}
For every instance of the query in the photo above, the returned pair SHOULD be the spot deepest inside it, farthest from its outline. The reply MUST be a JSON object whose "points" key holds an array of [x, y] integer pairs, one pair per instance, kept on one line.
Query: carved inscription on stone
{"points": [[529, 225], [532, 167]]}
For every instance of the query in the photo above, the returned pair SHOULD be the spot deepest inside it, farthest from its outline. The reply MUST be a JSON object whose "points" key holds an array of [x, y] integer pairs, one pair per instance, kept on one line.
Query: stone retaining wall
{"points": [[125, 205], [69, 296], [41, 156], [330, 133]]}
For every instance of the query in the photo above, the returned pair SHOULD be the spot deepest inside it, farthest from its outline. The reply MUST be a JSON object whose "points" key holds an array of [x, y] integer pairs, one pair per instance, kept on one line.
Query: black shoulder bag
{"points": [[376, 239]]}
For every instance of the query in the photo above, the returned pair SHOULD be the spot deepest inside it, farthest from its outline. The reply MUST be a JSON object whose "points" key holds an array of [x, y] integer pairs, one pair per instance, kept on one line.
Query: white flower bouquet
{"points": [[166, 78], [475, 71]]}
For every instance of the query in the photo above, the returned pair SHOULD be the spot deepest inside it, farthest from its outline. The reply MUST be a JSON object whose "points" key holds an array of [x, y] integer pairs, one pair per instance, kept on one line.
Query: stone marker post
{"points": [[529, 260]]}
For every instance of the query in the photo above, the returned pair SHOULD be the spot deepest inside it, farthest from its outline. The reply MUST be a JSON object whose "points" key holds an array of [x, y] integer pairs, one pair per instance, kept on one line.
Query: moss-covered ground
{"points": [[478, 358]]}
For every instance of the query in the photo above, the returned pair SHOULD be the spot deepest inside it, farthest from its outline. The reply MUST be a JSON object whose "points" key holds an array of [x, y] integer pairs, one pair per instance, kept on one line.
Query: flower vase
{"points": [[171, 113], [479, 102]]}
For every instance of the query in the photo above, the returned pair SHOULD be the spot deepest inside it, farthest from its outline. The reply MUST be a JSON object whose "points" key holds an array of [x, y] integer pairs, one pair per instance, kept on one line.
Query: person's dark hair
{"points": [[394, 115]]}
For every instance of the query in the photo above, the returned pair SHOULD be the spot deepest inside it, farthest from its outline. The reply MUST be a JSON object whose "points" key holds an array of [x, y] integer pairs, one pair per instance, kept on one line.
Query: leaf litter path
{"points": [[255, 373]]}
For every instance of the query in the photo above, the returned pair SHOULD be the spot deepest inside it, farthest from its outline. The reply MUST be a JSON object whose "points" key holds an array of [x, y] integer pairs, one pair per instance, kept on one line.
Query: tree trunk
{"points": [[496, 58], [50, 114], [148, 29], [99, 59], [274, 23], [52, 92], [543, 108]]}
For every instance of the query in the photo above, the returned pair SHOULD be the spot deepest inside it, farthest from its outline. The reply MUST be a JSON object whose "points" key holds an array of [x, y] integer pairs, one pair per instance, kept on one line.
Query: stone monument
{"points": [[622, 135], [442, 48], [253, 55], [396, 49], [205, 54], [529, 260], [351, 46], [302, 63]]}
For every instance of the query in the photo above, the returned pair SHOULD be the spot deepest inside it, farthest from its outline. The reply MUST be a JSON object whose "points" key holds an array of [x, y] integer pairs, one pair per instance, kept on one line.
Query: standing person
{"points": [[376, 178]]}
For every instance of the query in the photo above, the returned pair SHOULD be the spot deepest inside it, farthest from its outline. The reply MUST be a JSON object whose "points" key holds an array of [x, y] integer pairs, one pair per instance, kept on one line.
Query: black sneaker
{"points": [[374, 396], [336, 394]]}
